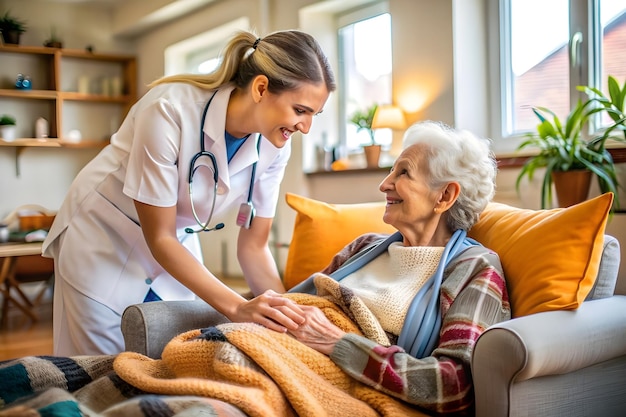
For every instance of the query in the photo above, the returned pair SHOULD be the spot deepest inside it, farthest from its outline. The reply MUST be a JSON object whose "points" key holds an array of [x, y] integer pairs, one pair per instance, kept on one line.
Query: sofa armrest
{"points": [[148, 327], [550, 343]]}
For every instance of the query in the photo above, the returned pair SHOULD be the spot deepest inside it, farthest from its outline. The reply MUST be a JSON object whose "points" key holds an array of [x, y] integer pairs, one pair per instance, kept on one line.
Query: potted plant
{"points": [[7, 127], [564, 151], [54, 41], [11, 28], [363, 120]]}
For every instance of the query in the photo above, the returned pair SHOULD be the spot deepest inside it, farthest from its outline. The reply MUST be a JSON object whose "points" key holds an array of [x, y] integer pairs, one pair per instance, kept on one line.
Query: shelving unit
{"points": [[55, 75]]}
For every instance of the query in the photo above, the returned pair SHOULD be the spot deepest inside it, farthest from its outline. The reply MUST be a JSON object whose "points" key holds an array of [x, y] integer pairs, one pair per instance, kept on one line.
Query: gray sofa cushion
{"points": [[604, 285]]}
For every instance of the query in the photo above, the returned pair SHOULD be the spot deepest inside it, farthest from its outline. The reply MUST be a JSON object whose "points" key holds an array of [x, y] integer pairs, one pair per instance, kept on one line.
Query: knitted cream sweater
{"points": [[388, 284]]}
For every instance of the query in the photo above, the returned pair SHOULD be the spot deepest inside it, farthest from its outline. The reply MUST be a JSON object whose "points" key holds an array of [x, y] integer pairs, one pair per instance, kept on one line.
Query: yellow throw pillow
{"points": [[550, 257], [322, 229]]}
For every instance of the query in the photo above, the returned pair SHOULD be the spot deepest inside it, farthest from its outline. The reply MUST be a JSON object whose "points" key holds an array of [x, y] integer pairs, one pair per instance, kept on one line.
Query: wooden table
{"points": [[10, 252]]}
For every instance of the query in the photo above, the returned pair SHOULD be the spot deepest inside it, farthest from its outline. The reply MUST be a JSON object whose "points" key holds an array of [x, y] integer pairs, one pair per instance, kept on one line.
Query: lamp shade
{"points": [[388, 116]]}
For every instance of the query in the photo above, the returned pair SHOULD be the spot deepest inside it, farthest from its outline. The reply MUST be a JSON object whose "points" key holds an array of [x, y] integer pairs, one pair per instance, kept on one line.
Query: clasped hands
{"points": [[308, 324]]}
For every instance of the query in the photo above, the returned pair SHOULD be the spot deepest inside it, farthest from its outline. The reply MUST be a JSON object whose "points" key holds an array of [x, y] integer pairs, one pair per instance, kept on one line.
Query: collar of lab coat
{"points": [[214, 127]]}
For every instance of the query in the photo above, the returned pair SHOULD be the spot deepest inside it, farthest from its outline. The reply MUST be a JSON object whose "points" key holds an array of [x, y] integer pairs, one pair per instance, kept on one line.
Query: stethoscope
{"points": [[246, 211]]}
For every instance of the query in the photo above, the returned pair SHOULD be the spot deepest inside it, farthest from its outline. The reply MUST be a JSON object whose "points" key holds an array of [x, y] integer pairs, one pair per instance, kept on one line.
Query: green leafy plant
{"points": [[562, 148], [614, 105], [363, 120], [6, 120], [9, 23]]}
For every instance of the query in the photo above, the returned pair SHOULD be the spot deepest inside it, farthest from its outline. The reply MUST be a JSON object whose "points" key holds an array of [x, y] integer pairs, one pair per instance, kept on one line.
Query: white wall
{"points": [[77, 24]]}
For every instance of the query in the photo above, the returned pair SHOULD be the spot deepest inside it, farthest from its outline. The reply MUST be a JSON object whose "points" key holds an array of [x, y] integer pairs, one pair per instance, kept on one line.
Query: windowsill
{"points": [[506, 160], [618, 152], [349, 171]]}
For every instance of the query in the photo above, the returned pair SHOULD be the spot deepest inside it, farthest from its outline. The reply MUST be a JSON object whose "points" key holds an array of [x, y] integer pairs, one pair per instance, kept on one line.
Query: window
{"points": [[203, 61], [550, 47], [200, 54], [364, 48]]}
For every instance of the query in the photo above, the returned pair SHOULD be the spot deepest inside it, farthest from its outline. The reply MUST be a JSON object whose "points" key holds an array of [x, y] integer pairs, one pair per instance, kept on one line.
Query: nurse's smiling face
{"points": [[282, 114]]}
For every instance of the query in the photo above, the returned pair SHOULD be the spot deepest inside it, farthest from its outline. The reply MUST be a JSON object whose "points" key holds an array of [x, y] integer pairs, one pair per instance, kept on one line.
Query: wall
{"points": [[77, 24]]}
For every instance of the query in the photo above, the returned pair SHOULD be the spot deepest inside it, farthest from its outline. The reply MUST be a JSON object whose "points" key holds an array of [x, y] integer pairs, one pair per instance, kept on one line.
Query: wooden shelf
{"points": [[29, 94], [52, 143], [21, 49], [22, 144], [54, 74], [70, 95], [26, 143], [65, 95], [71, 53]]}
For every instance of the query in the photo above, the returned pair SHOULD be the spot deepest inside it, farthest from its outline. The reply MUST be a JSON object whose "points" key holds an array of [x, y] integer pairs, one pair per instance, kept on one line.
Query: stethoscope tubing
{"points": [[204, 226]]}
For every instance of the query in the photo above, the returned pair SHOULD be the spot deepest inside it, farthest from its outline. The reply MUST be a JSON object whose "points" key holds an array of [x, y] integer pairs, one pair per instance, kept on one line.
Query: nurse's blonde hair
{"points": [[287, 58]]}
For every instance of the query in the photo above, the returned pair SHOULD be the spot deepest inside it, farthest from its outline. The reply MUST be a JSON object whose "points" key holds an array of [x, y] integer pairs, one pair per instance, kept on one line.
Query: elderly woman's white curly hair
{"points": [[460, 156]]}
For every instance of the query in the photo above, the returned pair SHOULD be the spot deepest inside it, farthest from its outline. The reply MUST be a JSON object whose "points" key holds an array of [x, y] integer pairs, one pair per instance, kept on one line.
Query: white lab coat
{"points": [[104, 255]]}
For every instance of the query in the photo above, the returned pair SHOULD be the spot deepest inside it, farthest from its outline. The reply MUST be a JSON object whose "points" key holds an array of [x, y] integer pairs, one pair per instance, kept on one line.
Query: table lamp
{"points": [[390, 117]]}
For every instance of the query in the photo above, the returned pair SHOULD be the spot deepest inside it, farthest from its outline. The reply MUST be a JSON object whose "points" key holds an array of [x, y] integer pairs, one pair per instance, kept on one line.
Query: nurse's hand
{"points": [[271, 310]]}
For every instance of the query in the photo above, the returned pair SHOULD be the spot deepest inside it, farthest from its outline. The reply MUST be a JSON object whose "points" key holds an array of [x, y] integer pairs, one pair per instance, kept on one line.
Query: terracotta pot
{"points": [[372, 155], [572, 187]]}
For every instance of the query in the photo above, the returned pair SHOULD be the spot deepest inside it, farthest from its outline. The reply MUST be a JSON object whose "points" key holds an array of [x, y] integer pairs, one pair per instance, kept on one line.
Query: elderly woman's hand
{"points": [[317, 332]]}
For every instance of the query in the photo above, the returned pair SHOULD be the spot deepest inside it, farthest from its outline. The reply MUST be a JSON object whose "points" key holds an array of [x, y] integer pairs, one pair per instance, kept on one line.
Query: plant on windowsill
{"points": [[363, 120], [563, 150], [7, 128], [11, 28], [614, 105]]}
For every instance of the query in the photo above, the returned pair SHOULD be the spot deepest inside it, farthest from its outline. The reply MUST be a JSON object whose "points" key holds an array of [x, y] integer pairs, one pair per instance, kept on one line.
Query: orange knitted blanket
{"points": [[262, 372]]}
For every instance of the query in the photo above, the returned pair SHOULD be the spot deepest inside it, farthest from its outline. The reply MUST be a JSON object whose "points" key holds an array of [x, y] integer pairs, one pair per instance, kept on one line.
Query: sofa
{"points": [[563, 353]]}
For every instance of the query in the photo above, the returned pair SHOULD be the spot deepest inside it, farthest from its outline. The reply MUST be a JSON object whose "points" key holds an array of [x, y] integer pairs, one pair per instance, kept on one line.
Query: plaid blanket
{"points": [[233, 369], [88, 386]]}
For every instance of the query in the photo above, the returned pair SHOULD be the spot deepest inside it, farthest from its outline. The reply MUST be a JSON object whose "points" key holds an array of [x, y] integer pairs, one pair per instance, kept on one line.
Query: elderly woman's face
{"points": [[410, 200]]}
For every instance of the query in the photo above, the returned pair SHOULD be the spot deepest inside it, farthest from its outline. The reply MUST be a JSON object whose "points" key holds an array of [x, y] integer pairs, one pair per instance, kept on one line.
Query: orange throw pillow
{"points": [[550, 257], [322, 229]]}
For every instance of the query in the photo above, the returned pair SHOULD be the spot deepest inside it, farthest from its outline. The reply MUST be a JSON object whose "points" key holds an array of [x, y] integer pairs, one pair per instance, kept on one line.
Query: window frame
{"points": [[584, 18], [343, 19]]}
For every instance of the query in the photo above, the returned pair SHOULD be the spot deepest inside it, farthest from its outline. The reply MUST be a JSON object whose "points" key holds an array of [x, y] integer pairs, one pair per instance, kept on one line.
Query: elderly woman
{"points": [[431, 289]]}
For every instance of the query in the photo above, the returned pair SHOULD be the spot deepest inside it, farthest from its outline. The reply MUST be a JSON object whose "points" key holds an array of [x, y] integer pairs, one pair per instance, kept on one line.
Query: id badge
{"points": [[245, 215]]}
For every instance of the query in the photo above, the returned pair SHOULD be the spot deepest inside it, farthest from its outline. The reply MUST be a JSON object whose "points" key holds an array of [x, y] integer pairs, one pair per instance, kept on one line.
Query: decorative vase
{"points": [[572, 187], [372, 155]]}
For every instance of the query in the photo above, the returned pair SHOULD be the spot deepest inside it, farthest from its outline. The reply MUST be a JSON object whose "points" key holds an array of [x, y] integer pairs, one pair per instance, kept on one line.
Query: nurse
{"points": [[192, 148]]}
